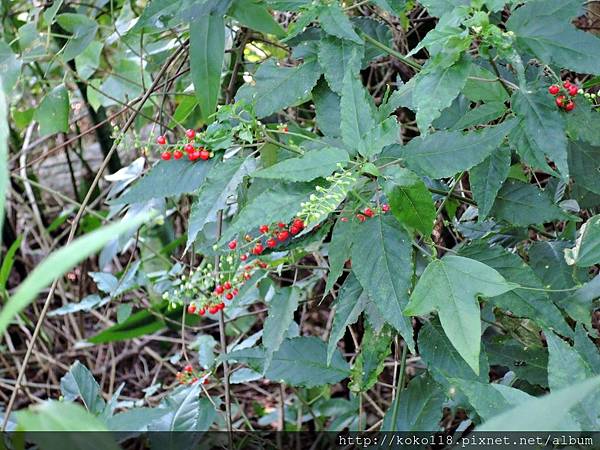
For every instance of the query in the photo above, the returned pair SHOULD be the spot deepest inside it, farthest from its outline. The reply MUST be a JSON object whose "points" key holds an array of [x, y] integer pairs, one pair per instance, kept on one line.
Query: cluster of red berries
{"points": [[367, 213], [189, 376], [564, 95], [192, 148], [269, 236]]}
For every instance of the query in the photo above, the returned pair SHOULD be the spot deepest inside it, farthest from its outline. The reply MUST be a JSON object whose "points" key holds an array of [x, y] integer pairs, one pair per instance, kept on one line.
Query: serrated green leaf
{"points": [[311, 165], [586, 252], [478, 90], [541, 130], [444, 153], [336, 23], [528, 363], [579, 304], [207, 47], [292, 85], [339, 250], [281, 314], [336, 59], [410, 201], [451, 286], [220, 183], [302, 361], [487, 177], [350, 303], [383, 134], [134, 419], [78, 382], [205, 346], [584, 165], [480, 115], [581, 125], [382, 262], [368, 365], [89, 60], [82, 29], [53, 112], [523, 204], [440, 7], [166, 179], [254, 15], [533, 304], [327, 109]]}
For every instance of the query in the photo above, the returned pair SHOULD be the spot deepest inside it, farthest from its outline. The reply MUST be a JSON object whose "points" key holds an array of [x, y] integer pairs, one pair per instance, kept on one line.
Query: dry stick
{"points": [[80, 212]]}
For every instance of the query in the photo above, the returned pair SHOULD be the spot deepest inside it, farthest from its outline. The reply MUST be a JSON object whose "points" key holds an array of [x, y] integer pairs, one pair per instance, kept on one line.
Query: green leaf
{"points": [[53, 112], [167, 179], [254, 15], [451, 286], [336, 57], [205, 346], [444, 153], [442, 85], [523, 204], [302, 361], [528, 363], [565, 367], [382, 262], [88, 61], [481, 115], [336, 23], [442, 359], [83, 31], [78, 382], [282, 307], [183, 410], [292, 85], [3, 155], [383, 134], [220, 183], [327, 109], [587, 348], [478, 90], [440, 7], [581, 125], [355, 112], [61, 261], [8, 261], [311, 165], [584, 164], [350, 303], [410, 201], [549, 35], [548, 413], [284, 202], [487, 177], [579, 304], [368, 365], [419, 409], [586, 252], [134, 419], [533, 304], [207, 49], [339, 250], [541, 132], [11, 68]]}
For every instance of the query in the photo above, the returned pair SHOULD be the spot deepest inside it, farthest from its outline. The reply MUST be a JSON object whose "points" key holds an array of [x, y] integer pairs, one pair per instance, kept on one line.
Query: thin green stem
{"points": [[399, 387], [390, 51]]}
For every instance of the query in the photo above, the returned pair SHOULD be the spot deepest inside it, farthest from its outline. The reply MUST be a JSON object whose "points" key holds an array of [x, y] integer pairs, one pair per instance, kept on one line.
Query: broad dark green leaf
{"points": [[138, 324], [339, 250], [350, 303], [382, 262], [292, 85], [182, 410], [327, 109], [134, 419], [410, 200], [523, 204], [481, 115], [478, 90], [254, 15], [587, 348], [166, 179], [579, 304], [541, 131], [311, 165], [220, 183], [336, 23], [53, 112], [368, 365], [581, 125], [586, 252], [440, 7], [207, 46], [533, 304], [336, 59], [445, 153], [78, 382], [82, 29], [281, 314], [528, 363], [451, 286], [487, 177], [584, 165]]}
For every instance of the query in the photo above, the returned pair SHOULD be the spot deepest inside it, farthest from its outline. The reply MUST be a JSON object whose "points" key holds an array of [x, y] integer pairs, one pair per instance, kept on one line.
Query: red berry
{"points": [[205, 381], [232, 245], [229, 296], [204, 154], [188, 368], [235, 291], [202, 311], [221, 305], [191, 308], [165, 156], [560, 101], [570, 106], [271, 243], [554, 89], [161, 140], [298, 223], [344, 219], [258, 249], [567, 84], [385, 207], [263, 229], [191, 134], [247, 276], [227, 285], [189, 148], [177, 154], [219, 289], [368, 212], [262, 265], [281, 225], [243, 257], [283, 235], [294, 229], [193, 156], [213, 309], [361, 217], [573, 91]]}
